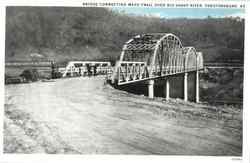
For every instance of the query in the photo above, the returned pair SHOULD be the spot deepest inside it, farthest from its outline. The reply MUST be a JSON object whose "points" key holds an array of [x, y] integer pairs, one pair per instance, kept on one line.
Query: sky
{"points": [[181, 12]]}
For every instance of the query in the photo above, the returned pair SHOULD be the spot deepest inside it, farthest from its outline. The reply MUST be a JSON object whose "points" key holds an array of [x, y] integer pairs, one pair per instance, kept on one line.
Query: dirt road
{"points": [[84, 116]]}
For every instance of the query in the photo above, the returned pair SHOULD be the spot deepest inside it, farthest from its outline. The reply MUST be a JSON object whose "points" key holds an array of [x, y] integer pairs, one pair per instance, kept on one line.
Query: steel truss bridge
{"points": [[151, 56], [157, 55], [80, 68]]}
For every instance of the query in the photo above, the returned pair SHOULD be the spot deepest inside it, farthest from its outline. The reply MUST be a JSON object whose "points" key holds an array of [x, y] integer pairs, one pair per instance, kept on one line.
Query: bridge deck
{"points": [[123, 82], [131, 72]]}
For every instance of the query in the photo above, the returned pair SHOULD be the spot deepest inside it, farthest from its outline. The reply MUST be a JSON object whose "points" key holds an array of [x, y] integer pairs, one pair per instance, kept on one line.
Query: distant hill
{"points": [[64, 34]]}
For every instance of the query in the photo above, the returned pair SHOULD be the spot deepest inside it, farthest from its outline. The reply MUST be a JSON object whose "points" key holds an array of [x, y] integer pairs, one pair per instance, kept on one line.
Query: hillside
{"points": [[68, 33]]}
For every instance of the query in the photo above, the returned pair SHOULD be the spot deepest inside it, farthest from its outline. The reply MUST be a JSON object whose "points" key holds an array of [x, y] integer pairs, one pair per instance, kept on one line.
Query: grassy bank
{"points": [[222, 85]]}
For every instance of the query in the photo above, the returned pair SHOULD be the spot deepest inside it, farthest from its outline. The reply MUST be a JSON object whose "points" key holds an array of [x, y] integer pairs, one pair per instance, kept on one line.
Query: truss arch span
{"points": [[168, 55], [154, 55], [190, 58]]}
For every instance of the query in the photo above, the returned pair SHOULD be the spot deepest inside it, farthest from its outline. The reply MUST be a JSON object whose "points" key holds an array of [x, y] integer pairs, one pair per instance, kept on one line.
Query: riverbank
{"points": [[222, 85]]}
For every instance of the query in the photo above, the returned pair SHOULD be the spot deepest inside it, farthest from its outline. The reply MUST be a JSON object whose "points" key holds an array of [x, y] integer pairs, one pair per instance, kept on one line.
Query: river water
{"points": [[85, 116]]}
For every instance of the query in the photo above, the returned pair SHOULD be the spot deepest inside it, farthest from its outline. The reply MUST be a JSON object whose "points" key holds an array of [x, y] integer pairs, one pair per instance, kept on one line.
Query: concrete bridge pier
{"points": [[185, 86], [197, 89], [167, 88], [190, 81], [71, 72], [151, 89]]}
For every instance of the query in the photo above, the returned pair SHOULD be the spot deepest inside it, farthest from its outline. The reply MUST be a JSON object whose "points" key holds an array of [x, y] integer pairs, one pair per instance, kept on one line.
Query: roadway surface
{"points": [[84, 116]]}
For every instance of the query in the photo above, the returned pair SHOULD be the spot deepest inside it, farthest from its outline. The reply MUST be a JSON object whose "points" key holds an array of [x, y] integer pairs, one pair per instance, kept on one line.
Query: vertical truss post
{"points": [[134, 71], [139, 71], [118, 74], [127, 73], [71, 71]]}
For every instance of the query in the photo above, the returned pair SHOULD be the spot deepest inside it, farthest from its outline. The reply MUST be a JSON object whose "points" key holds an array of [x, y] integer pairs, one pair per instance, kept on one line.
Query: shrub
{"points": [[30, 75], [56, 75]]}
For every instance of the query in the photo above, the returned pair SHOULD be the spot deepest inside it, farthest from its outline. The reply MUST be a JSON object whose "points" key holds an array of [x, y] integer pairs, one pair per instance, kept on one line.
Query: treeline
{"points": [[98, 34]]}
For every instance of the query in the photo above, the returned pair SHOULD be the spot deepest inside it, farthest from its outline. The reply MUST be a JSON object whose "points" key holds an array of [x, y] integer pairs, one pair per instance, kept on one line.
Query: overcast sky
{"points": [[180, 12]]}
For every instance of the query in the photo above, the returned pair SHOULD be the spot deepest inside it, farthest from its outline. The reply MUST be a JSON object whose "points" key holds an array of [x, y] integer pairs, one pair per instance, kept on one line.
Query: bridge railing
{"points": [[166, 70], [80, 68], [81, 71]]}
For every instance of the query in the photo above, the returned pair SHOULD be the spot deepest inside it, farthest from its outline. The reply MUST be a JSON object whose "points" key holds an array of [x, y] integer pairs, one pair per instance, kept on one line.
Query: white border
{"points": [[78, 3], [246, 88], [19, 158], [2, 55]]}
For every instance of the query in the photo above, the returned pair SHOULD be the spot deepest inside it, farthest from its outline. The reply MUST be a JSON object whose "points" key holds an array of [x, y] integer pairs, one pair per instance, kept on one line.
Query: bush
{"points": [[56, 75], [30, 75]]}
